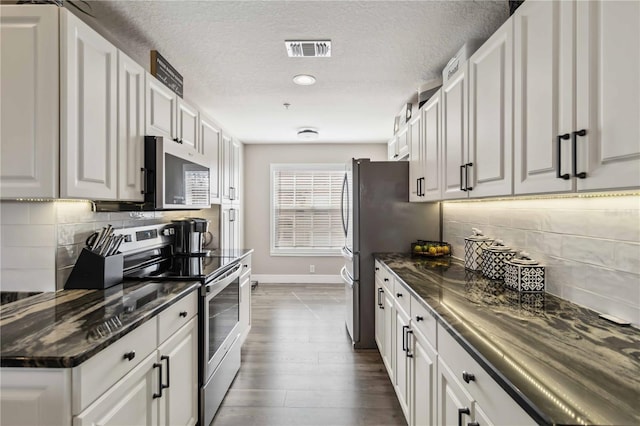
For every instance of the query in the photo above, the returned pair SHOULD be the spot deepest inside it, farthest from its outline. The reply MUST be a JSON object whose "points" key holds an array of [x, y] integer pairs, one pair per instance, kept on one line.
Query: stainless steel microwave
{"points": [[176, 177]]}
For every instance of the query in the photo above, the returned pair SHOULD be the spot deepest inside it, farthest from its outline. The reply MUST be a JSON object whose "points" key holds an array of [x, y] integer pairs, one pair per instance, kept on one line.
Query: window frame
{"points": [[295, 252]]}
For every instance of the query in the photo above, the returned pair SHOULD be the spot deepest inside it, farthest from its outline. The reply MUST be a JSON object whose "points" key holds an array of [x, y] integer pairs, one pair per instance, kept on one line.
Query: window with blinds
{"points": [[306, 211]]}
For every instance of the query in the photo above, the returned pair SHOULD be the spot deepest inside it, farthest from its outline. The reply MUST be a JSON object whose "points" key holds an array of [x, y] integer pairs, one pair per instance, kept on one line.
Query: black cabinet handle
{"points": [[419, 318], [404, 337], [143, 171], [575, 134], [159, 367], [468, 377], [466, 177], [129, 355], [462, 168], [418, 187], [461, 412], [565, 176], [395, 156], [398, 294], [379, 292], [473, 424], [377, 269], [386, 279], [409, 354], [183, 314], [162, 358]]}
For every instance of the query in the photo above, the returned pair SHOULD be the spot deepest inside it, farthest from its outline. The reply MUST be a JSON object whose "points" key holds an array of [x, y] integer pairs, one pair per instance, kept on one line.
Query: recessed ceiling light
{"points": [[307, 134], [304, 79]]}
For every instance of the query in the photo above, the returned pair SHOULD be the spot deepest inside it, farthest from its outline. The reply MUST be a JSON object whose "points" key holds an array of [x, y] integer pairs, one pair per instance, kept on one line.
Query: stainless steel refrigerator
{"points": [[377, 217]]}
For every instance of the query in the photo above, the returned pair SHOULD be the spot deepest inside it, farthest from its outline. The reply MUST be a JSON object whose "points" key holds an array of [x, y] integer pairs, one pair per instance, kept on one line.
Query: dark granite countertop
{"points": [[559, 361], [65, 328]]}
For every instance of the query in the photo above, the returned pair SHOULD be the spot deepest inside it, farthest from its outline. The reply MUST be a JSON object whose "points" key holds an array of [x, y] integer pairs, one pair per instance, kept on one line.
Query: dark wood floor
{"points": [[298, 367]]}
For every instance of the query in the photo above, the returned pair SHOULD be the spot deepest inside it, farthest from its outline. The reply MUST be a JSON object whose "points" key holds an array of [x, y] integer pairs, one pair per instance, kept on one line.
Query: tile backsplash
{"points": [[590, 246], [40, 241]]}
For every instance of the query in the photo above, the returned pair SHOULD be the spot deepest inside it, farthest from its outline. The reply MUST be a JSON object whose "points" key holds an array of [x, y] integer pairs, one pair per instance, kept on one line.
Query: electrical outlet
{"points": [[312, 269]]}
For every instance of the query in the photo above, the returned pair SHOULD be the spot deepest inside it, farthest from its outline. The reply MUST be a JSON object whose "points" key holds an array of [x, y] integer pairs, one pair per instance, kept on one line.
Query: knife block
{"points": [[95, 272]]}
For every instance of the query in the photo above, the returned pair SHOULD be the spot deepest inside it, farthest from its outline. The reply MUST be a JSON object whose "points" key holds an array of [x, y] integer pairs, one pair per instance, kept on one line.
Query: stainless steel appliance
{"points": [[175, 176], [149, 256], [377, 217]]}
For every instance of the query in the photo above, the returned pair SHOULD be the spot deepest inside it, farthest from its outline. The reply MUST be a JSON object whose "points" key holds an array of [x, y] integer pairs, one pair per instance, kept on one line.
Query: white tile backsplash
{"points": [[590, 246]]}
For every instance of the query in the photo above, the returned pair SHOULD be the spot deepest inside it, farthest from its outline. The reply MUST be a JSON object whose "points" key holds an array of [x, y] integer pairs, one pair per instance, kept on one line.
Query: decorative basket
{"points": [[473, 246], [430, 248], [524, 274], [494, 260]]}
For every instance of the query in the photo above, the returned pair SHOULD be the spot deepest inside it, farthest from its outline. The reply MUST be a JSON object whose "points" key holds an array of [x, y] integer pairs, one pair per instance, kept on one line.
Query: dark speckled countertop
{"points": [[65, 328], [559, 361]]}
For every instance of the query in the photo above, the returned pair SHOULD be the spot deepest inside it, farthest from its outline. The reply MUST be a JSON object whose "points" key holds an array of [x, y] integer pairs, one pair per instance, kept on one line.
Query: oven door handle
{"points": [[225, 280]]}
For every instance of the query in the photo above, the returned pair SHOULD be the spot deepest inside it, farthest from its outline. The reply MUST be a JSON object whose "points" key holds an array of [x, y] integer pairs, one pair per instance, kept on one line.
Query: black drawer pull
{"points": [[473, 424], [419, 318], [130, 355], [386, 279], [461, 412], [377, 269], [162, 358], [575, 134], [159, 367], [398, 294], [468, 377], [559, 175], [183, 314]]}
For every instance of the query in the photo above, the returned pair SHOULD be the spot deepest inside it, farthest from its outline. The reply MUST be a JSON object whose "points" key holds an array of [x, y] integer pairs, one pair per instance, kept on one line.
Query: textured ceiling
{"points": [[235, 67]]}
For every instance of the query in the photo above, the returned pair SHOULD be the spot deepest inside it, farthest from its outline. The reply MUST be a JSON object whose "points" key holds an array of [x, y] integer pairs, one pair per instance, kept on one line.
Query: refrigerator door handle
{"points": [[347, 254], [345, 193], [345, 276]]}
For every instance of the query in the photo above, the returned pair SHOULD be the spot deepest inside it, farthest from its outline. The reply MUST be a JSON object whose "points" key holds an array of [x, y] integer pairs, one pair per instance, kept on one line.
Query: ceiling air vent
{"points": [[308, 49]]}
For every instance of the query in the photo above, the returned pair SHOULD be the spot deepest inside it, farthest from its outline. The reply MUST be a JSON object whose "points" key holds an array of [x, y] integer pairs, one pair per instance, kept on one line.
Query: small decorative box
{"points": [[524, 274], [494, 259], [473, 246]]}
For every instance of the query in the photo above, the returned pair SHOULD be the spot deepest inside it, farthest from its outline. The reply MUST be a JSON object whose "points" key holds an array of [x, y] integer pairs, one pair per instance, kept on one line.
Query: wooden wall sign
{"points": [[163, 71]]}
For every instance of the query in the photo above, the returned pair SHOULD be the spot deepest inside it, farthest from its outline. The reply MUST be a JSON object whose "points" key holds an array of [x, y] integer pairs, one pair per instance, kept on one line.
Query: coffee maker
{"points": [[190, 236]]}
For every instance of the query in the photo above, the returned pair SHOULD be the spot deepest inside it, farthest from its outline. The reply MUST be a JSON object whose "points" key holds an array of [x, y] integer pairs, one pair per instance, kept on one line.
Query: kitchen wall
{"points": [[40, 241], [590, 246], [257, 161]]}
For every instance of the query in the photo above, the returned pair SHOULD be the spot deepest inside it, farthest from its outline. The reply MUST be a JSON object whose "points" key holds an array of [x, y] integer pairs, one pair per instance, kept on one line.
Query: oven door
{"points": [[221, 312]]}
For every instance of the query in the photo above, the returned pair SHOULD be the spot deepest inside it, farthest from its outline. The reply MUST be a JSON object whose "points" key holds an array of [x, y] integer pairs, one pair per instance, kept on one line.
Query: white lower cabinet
{"points": [[436, 381], [245, 299], [230, 227]]}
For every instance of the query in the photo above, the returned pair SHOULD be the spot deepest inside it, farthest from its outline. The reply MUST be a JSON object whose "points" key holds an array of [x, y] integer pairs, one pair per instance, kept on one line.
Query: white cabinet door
{"points": [[480, 417], [392, 149], [187, 125], [35, 396], [432, 147], [160, 115], [607, 95], [130, 128], [416, 159], [227, 167], [179, 401], [490, 115], [30, 96], [402, 147], [454, 136], [401, 369], [388, 355], [454, 403], [245, 307], [422, 400], [543, 96], [129, 402], [88, 130], [211, 149], [229, 222], [379, 310], [235, 171]]}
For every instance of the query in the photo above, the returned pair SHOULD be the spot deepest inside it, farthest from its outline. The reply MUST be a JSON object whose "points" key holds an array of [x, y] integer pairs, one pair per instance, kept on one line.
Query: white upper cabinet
{"points": [[402, 145], [543, 96], [30, 98], [230, 169], [161, 109], [88, 119], [236, 147], [130, 128], [455, 180], [392, 149], [577, 115], [607, 95], [490, 116], [432, 147], [187, 125], [210, 144], [416, 159]]}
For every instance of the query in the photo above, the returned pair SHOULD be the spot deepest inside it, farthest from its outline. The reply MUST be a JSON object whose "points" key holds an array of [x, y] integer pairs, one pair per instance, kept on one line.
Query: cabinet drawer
{"points": [[402, 296], [246, 266], [177, 315], [422, 319], [94, 376], [494, 400]]}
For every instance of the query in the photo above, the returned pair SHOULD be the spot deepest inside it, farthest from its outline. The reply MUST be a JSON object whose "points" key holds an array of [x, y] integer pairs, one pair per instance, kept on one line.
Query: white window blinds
{"points": [[306, 212]]}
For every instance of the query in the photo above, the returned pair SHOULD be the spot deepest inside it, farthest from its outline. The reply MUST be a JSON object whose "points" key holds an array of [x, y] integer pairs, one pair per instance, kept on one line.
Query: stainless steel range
{"points": [[149, 255]]}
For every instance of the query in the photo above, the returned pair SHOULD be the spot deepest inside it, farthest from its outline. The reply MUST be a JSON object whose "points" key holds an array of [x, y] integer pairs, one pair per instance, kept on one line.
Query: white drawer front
{"points": [[170, 320], [402, 296], [422, 319], [495, 402], [246, 266], [94, 376]]}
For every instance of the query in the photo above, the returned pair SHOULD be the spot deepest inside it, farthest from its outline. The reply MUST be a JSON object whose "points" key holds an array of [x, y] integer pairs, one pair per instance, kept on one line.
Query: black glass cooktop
{"points": [[181, 268]]}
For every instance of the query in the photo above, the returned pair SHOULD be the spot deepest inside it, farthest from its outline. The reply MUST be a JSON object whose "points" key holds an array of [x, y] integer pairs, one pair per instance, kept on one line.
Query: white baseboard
{"points": [[295, 279]]}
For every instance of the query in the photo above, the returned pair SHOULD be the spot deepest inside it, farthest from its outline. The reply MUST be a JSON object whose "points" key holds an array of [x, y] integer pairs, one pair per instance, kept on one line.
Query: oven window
{"points": [[224, 311]]}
